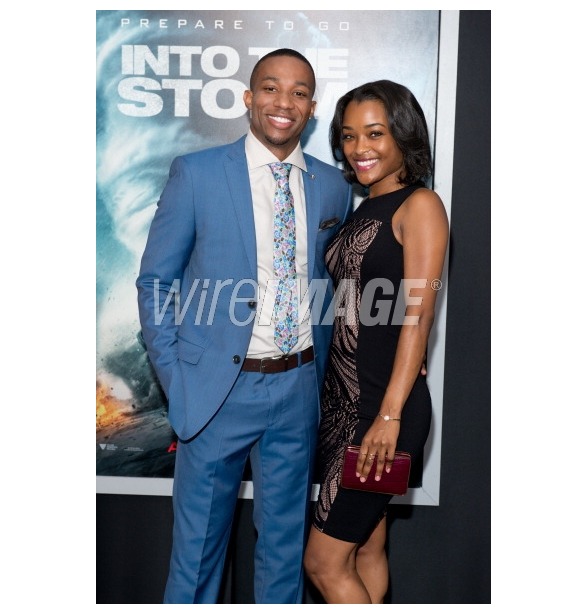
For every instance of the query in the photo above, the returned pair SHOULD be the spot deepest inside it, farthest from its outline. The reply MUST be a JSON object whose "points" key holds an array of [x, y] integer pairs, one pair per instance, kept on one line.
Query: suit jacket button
{"points": [[252, 304], [236, 359]]}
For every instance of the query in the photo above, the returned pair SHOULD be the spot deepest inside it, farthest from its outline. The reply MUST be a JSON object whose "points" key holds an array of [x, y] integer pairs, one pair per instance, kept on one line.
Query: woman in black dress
{"points": [[375, 396]]}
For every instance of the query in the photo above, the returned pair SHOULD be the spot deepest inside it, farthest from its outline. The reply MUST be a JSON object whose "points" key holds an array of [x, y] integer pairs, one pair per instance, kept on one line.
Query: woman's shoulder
{"points": [[423, 195], [424, 201], [423, 213]]}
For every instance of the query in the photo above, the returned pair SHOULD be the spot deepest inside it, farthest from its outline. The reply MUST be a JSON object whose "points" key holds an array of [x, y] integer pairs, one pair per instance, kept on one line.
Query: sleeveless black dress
{"points": [[366, 264]]}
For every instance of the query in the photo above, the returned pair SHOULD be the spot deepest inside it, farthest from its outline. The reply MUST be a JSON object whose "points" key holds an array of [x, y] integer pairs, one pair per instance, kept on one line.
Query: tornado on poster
{"points": [[171, 82]]}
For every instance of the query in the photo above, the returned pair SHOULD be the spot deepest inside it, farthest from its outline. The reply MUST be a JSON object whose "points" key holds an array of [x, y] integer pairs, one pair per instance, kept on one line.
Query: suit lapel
{"points": [[312, 188], [240, 190]]}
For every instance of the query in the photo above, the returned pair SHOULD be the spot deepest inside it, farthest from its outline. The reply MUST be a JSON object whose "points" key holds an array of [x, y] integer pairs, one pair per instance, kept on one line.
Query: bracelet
{"points": [[388, 418]]}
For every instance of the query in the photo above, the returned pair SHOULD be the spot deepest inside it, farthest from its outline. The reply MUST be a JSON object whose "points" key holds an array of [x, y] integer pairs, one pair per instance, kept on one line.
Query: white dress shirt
{"points": [[263, 186]]}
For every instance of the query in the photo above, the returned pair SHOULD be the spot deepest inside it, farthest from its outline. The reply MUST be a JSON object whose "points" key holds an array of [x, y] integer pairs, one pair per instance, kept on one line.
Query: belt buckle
{"points": [[272, 358]]}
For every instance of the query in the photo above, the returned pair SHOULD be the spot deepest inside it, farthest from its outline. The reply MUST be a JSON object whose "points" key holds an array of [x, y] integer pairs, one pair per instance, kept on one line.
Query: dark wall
{"points": [[438, 554]]}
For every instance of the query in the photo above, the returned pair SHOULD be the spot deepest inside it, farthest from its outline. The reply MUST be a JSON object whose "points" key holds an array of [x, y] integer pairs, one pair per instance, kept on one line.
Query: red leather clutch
{"points": [[394, 482]]}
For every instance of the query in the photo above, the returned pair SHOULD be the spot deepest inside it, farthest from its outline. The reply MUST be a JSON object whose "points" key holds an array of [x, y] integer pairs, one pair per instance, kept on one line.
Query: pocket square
{"points": [[327, 224]]}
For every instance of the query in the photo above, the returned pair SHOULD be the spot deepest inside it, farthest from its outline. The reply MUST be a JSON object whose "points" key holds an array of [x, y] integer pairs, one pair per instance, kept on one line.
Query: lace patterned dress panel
{"points": [[341, 391]]}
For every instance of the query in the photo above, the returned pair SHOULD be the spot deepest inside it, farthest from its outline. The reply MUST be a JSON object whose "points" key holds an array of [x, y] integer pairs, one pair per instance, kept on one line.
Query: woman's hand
{"points": [[380, 443]]}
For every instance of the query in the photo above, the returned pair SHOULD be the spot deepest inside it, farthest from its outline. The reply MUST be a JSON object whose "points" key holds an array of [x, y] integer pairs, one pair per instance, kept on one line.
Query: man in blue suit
{"points": [[206, 294]]}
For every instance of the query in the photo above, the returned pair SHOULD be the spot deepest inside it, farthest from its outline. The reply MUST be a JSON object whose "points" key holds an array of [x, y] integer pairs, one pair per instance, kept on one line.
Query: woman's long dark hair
{"points": [[407, 126]]}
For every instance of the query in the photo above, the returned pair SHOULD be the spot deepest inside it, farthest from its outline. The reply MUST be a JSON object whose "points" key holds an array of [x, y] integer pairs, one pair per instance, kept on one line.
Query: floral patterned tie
{"points": [[285, 310]]}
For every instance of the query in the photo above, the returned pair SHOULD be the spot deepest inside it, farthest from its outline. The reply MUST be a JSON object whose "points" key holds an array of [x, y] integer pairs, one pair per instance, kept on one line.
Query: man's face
{"points": [[281, 103]]}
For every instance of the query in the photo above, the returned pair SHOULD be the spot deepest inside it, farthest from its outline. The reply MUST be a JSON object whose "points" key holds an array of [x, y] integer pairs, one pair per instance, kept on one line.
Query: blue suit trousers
{"points": [[272, 418]]}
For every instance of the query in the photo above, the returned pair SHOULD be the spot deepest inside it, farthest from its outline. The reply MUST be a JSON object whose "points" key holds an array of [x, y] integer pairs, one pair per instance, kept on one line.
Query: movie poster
{"points": [[171, 82]]}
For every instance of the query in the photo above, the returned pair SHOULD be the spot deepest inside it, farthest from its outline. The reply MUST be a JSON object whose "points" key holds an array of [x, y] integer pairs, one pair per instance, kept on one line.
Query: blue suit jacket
{"points": [[197, 282]]}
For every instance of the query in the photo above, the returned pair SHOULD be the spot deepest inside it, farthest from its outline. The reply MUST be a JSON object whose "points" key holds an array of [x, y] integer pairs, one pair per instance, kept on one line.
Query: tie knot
{"points": [[280, 170]]}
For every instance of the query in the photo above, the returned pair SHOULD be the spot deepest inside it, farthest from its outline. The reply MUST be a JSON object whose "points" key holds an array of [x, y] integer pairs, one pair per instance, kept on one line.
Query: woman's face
{"points": [[370, 148]]}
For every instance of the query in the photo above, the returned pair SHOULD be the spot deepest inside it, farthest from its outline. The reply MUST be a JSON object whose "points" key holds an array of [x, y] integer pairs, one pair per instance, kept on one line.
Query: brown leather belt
{"points": [[278, 364]]}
